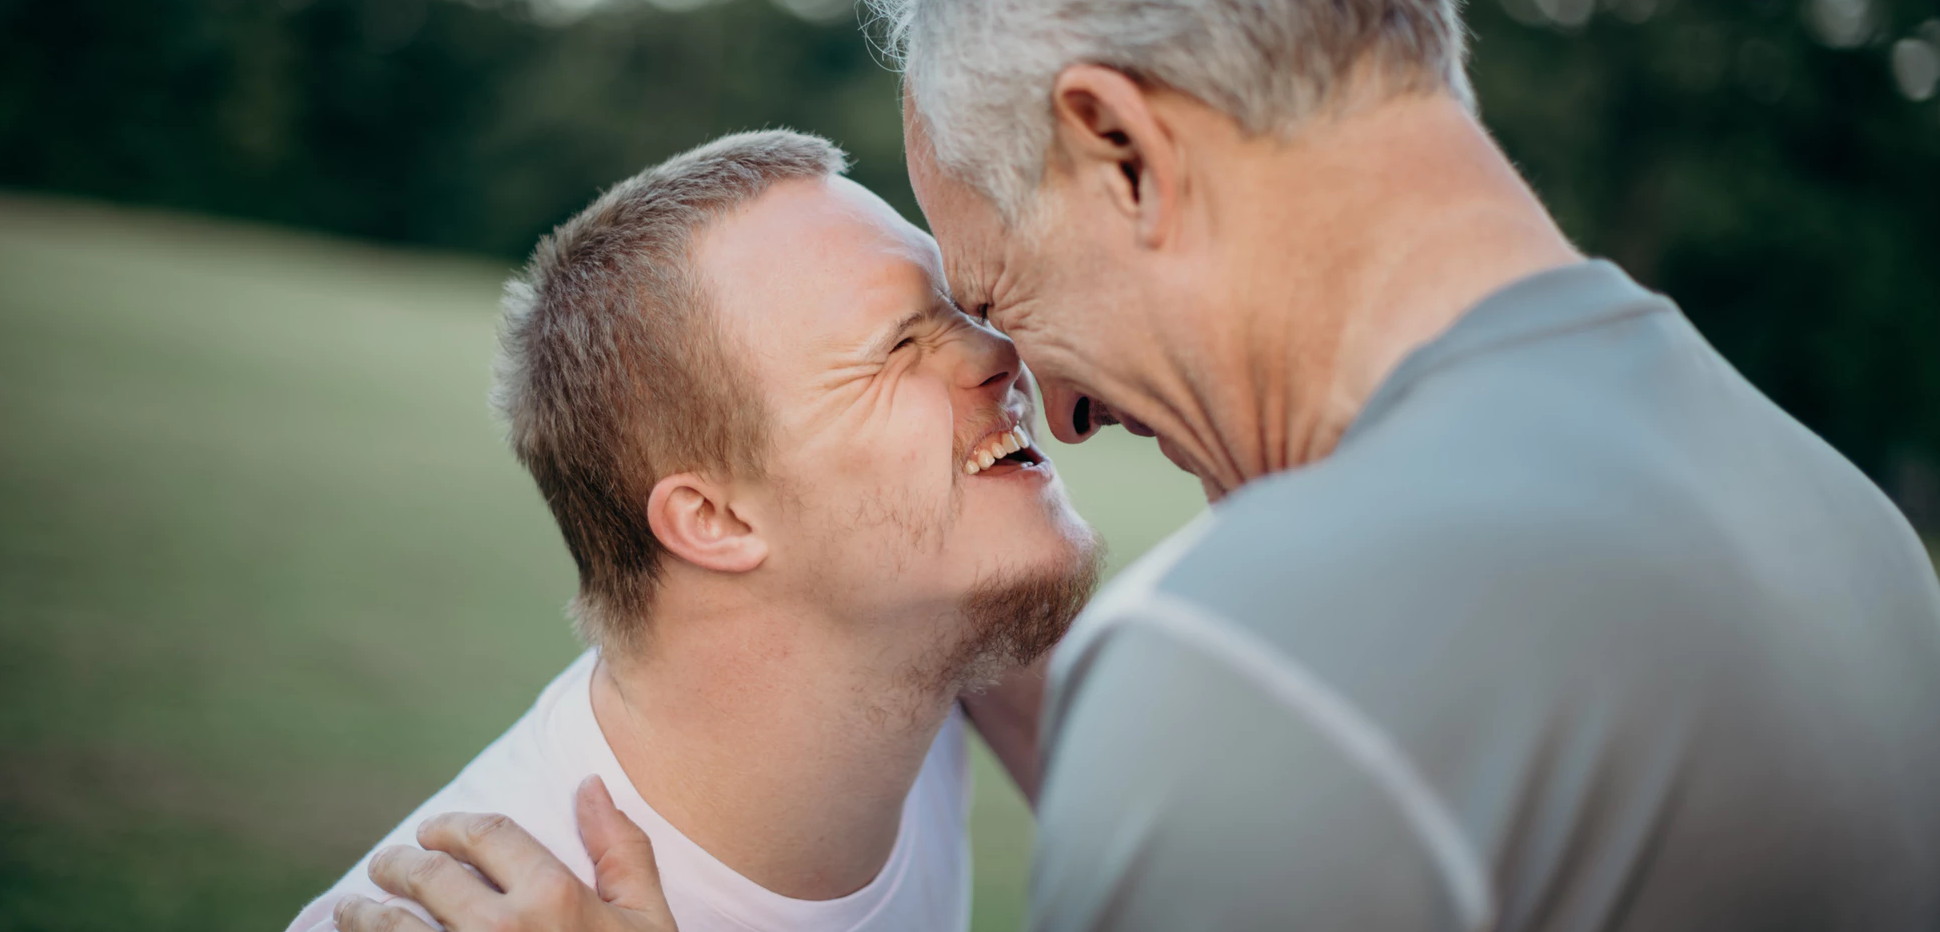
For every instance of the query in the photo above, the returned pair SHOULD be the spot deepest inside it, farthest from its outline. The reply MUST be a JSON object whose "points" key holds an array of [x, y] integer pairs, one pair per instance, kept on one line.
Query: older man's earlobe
{"points": [[694, 518], [1107, 130]]}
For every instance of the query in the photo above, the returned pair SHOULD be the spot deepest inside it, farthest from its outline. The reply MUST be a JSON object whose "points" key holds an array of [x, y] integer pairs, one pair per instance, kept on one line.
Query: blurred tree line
{"points": [[464, 125], [1769, 163]]}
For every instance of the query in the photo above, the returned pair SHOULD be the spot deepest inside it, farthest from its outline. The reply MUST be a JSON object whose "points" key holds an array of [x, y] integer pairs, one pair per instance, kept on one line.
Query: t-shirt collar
{"points": [[1558, 300]]}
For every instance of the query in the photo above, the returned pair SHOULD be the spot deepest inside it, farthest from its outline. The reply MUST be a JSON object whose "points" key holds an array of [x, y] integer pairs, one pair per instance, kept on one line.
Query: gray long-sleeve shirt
{"points": [[1576, 630]]}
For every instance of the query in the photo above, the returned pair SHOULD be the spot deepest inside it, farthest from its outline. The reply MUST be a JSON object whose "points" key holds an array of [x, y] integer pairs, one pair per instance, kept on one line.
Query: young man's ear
{"points": [[1107, 132], [693, 517]]}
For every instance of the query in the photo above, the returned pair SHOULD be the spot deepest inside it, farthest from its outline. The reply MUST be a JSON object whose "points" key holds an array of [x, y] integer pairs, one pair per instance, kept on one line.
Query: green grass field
{"points": [[268, 577]]}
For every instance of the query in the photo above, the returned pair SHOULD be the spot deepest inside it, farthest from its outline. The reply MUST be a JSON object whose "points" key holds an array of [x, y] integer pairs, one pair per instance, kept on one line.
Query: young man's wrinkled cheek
{"points": [[893, 478]]}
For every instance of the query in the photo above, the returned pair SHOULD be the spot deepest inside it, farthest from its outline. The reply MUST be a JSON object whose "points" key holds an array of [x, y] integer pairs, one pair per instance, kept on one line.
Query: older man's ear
{"points": [[1109, 135], [697, 519]]}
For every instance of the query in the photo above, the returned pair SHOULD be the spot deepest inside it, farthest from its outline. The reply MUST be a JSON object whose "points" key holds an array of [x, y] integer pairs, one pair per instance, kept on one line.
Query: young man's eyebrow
{"points": [[941, 302], [890, 335]]}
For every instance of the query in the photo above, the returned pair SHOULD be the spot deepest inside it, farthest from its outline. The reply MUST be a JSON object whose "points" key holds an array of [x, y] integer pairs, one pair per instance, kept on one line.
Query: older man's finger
{"points": [[494, 844], [435, 879], [358, 914], [623, 862]]}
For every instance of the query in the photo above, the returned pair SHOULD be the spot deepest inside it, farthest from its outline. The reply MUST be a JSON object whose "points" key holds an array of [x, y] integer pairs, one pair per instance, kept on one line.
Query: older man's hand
{"points": [[529, 890]]}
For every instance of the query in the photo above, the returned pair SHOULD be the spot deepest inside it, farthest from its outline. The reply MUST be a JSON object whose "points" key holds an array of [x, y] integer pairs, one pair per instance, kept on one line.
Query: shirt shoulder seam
{"points": [[1352, 732]]}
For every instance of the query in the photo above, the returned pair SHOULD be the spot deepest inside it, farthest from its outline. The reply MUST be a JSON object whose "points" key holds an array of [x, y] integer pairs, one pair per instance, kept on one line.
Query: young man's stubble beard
{"points": [[1012, 618], [1008, 619]]}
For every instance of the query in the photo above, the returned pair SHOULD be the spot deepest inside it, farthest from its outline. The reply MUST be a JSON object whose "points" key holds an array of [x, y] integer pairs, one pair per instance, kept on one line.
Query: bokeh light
{"points": [[1916, 66]]}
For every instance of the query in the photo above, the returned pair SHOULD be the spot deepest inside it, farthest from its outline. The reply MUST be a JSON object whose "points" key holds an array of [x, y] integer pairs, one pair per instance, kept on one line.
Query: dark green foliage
{"points": [[1783, 189], [420, 121]]}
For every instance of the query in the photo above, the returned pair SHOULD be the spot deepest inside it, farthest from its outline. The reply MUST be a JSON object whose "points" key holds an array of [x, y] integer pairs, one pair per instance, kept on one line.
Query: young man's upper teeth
{"points": [[995, 448]]}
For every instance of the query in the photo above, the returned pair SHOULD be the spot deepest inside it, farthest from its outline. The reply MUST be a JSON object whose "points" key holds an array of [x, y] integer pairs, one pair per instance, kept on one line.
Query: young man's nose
{"points": [[988, 361]]}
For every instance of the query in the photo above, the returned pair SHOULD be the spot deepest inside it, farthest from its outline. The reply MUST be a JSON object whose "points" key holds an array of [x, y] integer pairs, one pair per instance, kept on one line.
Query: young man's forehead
{"points": [[812, 277], [815, 226]]}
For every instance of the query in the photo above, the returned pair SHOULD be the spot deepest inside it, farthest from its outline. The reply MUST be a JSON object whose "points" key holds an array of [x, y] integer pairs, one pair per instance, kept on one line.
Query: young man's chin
{"points": [[1011, 619]]}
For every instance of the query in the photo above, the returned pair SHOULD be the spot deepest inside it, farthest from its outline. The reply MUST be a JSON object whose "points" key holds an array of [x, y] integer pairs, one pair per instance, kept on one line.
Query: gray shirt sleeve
{"points": [[1179, 771]]}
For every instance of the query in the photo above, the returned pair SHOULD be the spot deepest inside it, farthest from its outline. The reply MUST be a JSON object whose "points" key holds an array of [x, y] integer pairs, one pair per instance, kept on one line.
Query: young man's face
{"points": [[905, 486]]}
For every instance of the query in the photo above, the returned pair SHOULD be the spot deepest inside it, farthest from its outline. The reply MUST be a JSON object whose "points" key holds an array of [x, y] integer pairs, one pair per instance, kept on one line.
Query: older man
{"points": [[806, 515], [1518, 608]]}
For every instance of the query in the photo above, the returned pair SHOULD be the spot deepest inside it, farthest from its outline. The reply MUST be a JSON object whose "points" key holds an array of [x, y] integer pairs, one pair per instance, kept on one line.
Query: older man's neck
{"points": [[782, 759], [1398, 219]]}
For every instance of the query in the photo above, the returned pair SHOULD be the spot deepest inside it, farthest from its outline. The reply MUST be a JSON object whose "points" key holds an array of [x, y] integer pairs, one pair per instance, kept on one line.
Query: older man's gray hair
{"points": [[980, 71]]}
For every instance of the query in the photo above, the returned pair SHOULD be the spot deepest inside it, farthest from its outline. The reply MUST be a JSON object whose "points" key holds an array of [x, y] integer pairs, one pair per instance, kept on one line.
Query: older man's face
{"points": [[1065, 294]]}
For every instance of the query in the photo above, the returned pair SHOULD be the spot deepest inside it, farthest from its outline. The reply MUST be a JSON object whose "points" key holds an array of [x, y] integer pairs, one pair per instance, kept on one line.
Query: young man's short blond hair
{"points": [[616, 373]]}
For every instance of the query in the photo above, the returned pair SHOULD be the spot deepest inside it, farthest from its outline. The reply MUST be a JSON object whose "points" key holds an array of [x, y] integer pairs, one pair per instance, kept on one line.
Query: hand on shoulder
{"points": [[523, 887]]}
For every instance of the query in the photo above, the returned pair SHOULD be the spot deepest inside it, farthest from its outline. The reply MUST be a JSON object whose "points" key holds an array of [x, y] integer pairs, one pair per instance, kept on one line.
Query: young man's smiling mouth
{"points": [[1002, 451]]}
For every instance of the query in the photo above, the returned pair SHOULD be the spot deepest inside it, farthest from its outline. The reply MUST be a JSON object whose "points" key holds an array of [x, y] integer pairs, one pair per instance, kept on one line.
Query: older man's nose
{"points": [[1073, 417]]}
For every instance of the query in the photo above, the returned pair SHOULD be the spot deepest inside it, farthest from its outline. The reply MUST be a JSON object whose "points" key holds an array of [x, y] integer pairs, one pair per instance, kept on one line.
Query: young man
{"points": [[806, 514]]}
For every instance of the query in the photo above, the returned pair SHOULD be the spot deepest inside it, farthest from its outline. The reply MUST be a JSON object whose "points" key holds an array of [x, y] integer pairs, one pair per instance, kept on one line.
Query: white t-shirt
{"points": [[530, 774]]}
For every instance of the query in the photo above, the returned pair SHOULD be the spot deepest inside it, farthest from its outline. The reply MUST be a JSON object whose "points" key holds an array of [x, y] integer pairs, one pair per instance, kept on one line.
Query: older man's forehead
{"points": [[972, 261], [966, 227], [963, 278]]}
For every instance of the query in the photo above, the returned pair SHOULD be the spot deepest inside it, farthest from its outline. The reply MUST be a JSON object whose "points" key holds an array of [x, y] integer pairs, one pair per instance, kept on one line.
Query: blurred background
{"points": [[268, 577]]}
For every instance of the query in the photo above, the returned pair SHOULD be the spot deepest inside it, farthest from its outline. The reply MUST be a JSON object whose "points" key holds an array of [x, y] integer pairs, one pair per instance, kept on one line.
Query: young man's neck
{"points": [[783, 758], [1381, 228]]}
